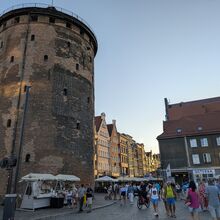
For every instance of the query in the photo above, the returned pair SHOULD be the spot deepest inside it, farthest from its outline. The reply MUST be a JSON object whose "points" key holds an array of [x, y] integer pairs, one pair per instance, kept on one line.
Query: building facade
{"points": [[123, 153], [190, 142], [52, 53], [102, 148], [114, 150]]}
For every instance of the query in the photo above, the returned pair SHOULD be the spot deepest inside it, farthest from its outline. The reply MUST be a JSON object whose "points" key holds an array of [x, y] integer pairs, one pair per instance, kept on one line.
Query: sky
{"points": [[149, 50]]}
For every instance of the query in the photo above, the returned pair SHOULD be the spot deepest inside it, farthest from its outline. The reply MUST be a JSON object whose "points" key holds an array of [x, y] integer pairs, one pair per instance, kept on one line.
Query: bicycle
{"points": [[143, 201]]}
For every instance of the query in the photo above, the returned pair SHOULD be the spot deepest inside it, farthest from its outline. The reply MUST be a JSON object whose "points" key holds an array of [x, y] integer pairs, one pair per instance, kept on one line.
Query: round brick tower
{"points": [[46, 93]]}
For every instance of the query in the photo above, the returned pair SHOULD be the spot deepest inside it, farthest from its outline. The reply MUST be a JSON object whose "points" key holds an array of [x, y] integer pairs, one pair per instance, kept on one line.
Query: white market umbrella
{"points": [[38, 176], [106, 179], [63, 177]]}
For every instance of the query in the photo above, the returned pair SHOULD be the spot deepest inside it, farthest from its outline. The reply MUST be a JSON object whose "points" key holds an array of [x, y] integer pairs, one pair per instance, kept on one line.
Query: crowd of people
{"points": [[198, 197]]}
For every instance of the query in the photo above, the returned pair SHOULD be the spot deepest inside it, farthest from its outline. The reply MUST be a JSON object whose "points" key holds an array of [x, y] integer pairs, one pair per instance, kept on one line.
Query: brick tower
{"points": [[48, 53]]}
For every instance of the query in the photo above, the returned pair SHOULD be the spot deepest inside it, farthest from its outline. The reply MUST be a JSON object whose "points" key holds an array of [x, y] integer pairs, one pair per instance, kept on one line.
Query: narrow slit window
{"points": [[52, 20], [68, 44], [27, 158], [32, 37], [78, 125], [88, 100], [17, 20], [34, 18], [77, 66], [68, 25], [12, 59], [65, 91], [81, 32], [9, 123], [1, 45], [45, 57]]}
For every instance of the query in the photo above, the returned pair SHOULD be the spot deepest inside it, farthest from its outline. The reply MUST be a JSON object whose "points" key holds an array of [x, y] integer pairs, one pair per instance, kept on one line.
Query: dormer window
{"points": [[199, 128], [179, 130]]}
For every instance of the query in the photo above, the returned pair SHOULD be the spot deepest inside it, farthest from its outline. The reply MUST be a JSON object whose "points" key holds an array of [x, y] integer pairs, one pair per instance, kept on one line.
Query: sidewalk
{"points": [[46, 213]]}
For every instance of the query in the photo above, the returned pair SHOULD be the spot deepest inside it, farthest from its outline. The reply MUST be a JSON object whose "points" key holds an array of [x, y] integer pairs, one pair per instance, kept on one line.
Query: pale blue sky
{"points": [[149, 50]]}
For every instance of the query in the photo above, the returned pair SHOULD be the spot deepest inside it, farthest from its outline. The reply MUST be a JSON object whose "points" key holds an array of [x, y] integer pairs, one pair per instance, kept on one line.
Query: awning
{"points": [[63, 177]]}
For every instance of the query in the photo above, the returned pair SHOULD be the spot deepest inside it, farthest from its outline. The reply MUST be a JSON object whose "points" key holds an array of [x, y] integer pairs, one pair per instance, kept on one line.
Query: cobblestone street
{"points": [[108, 210]]}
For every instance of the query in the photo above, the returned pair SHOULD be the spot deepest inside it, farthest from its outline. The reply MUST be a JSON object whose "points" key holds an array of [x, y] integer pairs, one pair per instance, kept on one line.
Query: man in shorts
{"points": [[170, 195], [212, 193]]}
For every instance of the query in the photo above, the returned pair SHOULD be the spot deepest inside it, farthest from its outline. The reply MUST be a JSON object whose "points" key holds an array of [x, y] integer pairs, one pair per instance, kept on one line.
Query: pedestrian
{"points": [[123, 194], [131, 193], [212, 194], [164, 199], [170, 196], [69, 197], [115, 190], [154, 199], [89, 196], [202, 196], [157, 185], [81, 194], [193, 201], [178, 191]]}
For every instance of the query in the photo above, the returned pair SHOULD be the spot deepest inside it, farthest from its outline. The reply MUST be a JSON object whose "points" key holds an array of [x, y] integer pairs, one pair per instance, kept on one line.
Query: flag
{"points": [[168, 171]]}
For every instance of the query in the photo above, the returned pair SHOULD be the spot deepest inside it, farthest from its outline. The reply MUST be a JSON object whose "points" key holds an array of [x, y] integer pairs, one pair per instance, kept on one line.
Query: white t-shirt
{"points": [[154, 194]]}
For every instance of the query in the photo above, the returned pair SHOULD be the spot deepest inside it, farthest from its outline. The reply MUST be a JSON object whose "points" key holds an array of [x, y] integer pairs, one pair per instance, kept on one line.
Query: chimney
{"points": [[114, 122], [166, 109]]}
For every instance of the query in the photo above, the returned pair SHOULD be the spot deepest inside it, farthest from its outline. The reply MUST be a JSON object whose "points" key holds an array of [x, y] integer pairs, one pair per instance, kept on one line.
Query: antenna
{"points": [[52, 2]]}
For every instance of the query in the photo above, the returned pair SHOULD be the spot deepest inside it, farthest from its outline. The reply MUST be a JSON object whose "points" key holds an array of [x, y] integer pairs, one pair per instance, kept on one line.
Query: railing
{"points": [[42, 5]]}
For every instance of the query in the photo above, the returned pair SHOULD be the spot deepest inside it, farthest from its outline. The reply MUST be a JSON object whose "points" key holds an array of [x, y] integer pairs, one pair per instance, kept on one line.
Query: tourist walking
{"points": [[131, 193], [170, 196], [202, 197], [193, 199], [81, 193], [154, 199], [212, 193], [164, 199], [89, 196], [123, 194]]}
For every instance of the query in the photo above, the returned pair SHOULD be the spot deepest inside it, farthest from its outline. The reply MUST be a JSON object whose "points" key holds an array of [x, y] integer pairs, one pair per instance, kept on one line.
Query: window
{"points": [[27, 158], [34, 18], [207, 158], [17, 20], [32, 37], [81, 32], [78, 125], [1, 44], [68, 44], [77, 66], [193, 143], [52, 20], [218, 141], [204, 142], [12, 59], [179, 130], [195, 158], [88, 100], [68, 25], [45, 57], [65, 91], [9, 123]]}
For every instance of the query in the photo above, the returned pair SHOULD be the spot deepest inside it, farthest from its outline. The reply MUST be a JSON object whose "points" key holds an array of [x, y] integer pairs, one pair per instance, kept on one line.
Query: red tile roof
{"points": [[98, 121], [208, 123], [184, 109], [110, 129]]}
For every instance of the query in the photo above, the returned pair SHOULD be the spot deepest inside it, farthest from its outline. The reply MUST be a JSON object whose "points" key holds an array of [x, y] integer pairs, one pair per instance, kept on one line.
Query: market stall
{"points": [[38, 190]]}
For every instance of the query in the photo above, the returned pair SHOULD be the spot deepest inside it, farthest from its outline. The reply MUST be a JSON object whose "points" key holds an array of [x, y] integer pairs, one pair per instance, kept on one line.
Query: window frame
{"points": [[191, 141], [198, 158]]}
